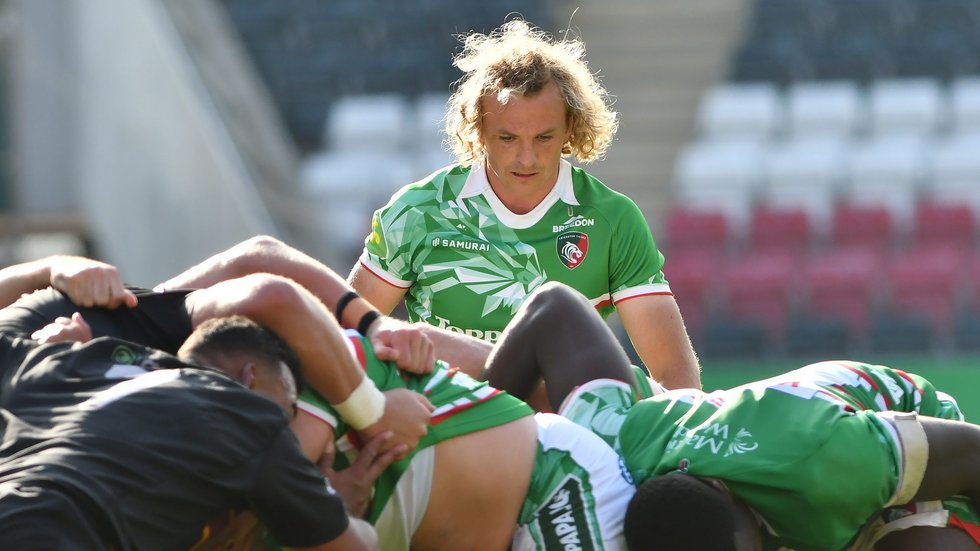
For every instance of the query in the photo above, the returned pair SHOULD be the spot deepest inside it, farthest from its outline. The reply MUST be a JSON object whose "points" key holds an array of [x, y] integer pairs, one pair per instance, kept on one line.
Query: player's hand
{"points": [[64, 329], [90, 283], [355, 484], [400, 342], [406, 416]]}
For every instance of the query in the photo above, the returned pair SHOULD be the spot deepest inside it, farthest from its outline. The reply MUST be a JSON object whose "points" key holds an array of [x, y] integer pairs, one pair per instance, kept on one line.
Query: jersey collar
{"points": [[477, 183]]}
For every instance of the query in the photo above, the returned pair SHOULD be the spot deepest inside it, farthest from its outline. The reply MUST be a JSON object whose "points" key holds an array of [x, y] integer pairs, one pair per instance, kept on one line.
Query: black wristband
{"points": [[366, 321], [338, 312]]}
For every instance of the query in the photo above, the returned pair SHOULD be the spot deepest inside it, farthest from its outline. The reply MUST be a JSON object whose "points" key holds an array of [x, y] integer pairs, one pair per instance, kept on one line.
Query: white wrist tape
{"points": [[364, 407]]}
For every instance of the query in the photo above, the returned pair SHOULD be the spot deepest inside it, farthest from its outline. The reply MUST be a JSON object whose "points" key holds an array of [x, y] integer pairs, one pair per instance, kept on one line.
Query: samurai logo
{"points": [[572, 248]]}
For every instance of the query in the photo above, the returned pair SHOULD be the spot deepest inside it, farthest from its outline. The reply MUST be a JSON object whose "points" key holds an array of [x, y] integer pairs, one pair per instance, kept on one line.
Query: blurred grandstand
{"points": [[810, 167]]}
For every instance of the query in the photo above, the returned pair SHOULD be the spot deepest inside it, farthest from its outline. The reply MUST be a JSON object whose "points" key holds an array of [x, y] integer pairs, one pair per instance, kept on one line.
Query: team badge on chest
{"points": [[572, 247]]}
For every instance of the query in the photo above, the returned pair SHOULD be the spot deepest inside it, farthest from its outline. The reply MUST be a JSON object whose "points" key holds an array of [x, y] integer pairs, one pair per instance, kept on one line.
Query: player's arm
{"points": [[557, 336], [393, 340], [87, 282], [464, 352], [329, 364], [655, 327]]}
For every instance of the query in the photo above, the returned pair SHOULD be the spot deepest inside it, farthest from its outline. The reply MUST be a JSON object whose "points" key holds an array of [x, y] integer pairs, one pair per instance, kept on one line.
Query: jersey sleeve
{"points": [[636, 263], [388, 249], [159, 320], [313, 403], [13, 350], [293, 500], [33, 311]]}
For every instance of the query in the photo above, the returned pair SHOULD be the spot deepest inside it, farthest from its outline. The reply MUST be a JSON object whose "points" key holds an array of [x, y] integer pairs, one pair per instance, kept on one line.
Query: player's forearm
{"points": [[24, 278], [467, 353], [673, 367], [657, 331], [297, 317]]}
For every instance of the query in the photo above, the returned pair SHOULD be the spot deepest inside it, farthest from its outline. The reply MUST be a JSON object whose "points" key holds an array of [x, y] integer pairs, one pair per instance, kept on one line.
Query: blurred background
{"points": [[810, 168]]}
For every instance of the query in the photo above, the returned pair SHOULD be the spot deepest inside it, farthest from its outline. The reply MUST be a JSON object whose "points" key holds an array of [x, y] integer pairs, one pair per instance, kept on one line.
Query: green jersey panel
{"points": [[467, 263], [791, 435], [463, 405]]}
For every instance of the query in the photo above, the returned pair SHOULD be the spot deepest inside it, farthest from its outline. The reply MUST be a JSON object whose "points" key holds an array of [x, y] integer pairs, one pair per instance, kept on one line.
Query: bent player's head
{"points": [[250, 353], [680, 512], [520, 60]]}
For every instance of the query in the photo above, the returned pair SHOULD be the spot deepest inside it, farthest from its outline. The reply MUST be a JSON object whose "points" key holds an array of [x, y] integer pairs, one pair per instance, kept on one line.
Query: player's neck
{"points": [[520, 199]]}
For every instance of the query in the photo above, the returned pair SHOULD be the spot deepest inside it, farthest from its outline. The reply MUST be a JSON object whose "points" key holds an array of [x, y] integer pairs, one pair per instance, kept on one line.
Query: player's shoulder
{"points": [[591, 191], [437, 188]]}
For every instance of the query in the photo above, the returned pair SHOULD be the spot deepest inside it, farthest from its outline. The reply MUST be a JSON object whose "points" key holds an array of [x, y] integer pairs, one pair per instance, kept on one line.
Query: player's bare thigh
{"points": [[927, 537], [478, 487]]}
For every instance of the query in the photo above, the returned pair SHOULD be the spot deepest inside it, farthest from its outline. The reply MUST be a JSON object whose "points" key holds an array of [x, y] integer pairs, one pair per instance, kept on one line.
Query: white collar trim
{"points": [[477, 183]]}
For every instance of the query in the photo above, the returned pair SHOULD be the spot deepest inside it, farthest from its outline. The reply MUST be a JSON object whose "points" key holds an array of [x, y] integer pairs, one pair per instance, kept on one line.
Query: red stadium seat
{"points": [[761, 287], [844, 284], [690, 230], [927, 280], [693, 275], [862, 226], [944, 224], [779, 229]]}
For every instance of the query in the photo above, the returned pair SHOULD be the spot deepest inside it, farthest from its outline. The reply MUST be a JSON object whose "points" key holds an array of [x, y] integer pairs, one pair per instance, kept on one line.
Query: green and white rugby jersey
{"points": [[463, 405], [803, 449], [467, 262]]}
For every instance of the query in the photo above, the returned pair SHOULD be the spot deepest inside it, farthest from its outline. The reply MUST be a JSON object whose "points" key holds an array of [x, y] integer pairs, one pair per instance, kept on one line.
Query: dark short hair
{"points": [[678, 512], [238, 334]]}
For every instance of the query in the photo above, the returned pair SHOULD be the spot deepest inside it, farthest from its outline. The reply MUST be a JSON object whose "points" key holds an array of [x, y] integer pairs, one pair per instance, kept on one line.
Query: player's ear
{"points": [[247, 375]]}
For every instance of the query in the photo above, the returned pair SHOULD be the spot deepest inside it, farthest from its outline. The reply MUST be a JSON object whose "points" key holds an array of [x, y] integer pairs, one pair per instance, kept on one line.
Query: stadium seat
{"points": [[844, 284], [720, 176], [377, 122], [779, 229], [694, 231], [348, 185], [867, 227], [927, 281], [954, 171], [805, 173], [735, 111], [429, 112], [944, 224], [824, 108], [964, 105], [693, 276], [887, 171], [761, 287], [898, 107]]}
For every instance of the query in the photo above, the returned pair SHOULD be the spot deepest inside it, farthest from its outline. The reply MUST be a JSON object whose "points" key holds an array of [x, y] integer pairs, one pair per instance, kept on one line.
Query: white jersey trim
{"points": [[478, 183], [382, 274], [642, 290], [317, 412]]}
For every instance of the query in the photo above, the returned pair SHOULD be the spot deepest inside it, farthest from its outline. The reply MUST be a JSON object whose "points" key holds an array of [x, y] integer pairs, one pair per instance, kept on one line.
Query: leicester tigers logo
{"points": [[572, 248]]}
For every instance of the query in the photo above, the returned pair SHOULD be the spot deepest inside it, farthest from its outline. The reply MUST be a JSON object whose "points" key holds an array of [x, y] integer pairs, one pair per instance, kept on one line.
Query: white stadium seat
{"points": [[379, 121], [740, 111], [824, 108], [905, 107]]}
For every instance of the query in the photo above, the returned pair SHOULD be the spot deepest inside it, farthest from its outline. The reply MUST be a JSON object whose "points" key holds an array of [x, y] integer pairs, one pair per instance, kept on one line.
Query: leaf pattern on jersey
{"points": [[505, 279]]}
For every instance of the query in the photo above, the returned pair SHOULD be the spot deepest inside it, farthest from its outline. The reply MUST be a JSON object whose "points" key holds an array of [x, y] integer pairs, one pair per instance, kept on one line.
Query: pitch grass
{"points": [[955, 375]]}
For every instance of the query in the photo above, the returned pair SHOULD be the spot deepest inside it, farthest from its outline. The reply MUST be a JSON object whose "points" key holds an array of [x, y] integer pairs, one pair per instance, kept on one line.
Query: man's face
{"points": [[523, 140], [280, 389]]}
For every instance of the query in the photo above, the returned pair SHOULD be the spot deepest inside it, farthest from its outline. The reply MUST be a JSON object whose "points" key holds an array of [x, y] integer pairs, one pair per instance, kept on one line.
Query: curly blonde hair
{"points": [[518, 59]]}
